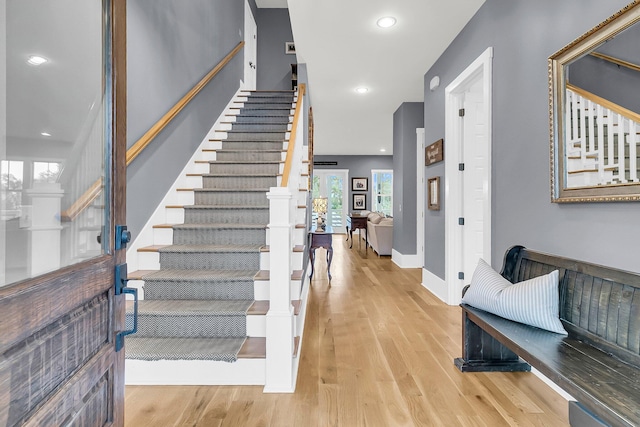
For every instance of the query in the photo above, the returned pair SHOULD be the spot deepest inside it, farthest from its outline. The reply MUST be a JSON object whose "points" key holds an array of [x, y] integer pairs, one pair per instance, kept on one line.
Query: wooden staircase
{"points": [[235, 151]]}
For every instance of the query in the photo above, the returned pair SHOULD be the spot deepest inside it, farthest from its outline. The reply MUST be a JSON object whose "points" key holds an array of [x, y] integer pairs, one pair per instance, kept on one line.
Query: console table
{"points": [[355, 222], [321, 239]]}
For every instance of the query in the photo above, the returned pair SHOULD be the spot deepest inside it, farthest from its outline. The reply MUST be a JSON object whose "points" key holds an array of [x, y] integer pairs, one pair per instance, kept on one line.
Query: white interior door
{"points": [[475, 179], [467, 188], [250, 48]]}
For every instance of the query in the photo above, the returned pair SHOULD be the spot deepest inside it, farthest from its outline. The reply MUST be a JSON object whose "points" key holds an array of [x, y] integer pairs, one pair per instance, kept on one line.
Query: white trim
{"points": [[405, 261], [145, 237], [480, 68], [420, 192], [194, 372], [551, 384], [434, 284]]}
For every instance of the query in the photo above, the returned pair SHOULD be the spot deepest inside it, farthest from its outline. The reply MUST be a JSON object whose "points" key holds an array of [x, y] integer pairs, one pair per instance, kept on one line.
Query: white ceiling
{"points": [[344, 48]]}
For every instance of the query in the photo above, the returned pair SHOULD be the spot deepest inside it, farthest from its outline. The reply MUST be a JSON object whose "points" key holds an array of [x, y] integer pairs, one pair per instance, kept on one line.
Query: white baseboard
{"points": [[405, 261], [145, 237], [194, 372], [435, 285]]}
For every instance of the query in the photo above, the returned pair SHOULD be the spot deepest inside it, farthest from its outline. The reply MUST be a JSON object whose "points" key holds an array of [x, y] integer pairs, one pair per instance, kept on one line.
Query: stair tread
{"points": [[256, 348], [261, 307], [225, 175], [220, 226], [296, 248], [266, 275], [229, 190]]}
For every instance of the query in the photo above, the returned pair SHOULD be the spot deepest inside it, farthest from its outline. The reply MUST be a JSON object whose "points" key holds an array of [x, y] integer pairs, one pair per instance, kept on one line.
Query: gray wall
{"points": [[274, 65], [408, 117], [169, 49], [524, 34], [359, 167]]}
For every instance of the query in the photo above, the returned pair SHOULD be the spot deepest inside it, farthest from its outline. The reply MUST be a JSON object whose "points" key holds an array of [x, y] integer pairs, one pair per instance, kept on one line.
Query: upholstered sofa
{"points": [[379, 233]]}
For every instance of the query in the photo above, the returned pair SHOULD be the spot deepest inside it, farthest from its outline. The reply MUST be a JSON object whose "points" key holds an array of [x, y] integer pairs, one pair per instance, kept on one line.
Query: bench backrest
{"points": [[598, 304]]}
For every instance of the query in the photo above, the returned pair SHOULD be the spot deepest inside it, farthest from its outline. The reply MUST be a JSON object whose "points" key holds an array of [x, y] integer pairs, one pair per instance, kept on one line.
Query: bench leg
{"points": [[483, 353]]}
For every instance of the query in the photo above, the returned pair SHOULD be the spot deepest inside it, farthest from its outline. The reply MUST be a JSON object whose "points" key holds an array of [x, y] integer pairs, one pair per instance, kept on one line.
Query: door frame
{"points": [[481, 68], [250, 48], [420, 192]]}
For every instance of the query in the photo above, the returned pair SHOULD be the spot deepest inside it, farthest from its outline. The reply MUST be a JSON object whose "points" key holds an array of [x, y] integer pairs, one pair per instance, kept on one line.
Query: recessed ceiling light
{"points": [[362, 89], [386, 22], [36, 60], [45, 134], [383, 150]]}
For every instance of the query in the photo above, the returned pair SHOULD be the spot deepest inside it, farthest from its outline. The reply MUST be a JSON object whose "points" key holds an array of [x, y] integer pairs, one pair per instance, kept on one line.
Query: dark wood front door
{"points": [[58, 325]]}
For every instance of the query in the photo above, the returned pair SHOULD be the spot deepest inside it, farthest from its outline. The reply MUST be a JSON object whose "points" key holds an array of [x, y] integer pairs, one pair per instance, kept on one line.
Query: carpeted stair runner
{"points": [[195, 306]]}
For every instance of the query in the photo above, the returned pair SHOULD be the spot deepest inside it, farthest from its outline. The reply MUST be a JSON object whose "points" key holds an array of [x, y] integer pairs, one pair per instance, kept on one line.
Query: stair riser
{"points": [[191, 290], [262, 119], [226, 216], [231, 198], [255, 136], [260, 126], [251, 145], [296, 260], [267, 112], [209, 261], [219, 237], [244, 168], [299, 236], [189, 326], [251, 156], [239, 182]]}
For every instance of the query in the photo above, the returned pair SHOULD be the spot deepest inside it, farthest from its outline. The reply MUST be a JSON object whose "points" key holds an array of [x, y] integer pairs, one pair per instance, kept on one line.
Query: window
{"points": [[382, 191], [45, 171], [11, 186]]}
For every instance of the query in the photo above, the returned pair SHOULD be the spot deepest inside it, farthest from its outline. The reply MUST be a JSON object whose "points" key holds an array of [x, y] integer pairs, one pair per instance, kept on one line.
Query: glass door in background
{"points": [[382, 191], [332, 184]]}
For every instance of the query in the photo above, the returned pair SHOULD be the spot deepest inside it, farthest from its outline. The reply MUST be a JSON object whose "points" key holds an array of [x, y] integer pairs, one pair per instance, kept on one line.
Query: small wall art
{"points": [[359, 184], [434, 153], [433, 193], [359, 202], [289, 48]]}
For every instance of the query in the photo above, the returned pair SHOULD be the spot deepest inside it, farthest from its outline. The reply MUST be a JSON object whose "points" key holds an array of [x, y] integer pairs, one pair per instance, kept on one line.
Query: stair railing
{"points": [[602, 136], [90, 195], [280, 375]]}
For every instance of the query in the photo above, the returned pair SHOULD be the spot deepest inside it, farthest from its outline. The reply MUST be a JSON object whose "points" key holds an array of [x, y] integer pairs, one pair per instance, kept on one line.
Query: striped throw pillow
{"points": [[533, 302]]}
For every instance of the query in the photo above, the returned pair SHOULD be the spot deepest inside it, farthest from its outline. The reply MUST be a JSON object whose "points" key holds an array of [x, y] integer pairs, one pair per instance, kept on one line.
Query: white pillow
{"points": [[533, 302]]}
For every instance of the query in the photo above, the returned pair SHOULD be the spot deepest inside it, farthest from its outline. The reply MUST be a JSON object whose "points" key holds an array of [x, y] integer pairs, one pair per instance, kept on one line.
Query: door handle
{"points": [[121, 288]]}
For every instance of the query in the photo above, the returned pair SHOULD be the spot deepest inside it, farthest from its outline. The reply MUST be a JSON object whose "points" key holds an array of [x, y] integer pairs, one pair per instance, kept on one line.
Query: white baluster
{"points": [[633, 146], [600, 142], [621, 142]]}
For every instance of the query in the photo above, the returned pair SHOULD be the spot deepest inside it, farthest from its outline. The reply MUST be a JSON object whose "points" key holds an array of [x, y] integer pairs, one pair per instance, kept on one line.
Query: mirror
{"points": [[594, 100]]}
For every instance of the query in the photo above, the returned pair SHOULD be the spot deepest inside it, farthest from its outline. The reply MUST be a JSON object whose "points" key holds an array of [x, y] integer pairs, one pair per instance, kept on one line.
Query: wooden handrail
{"points": [[616, 61], [83, 202], [292, 136], [606, 103], [92, 193], [144, 141]]}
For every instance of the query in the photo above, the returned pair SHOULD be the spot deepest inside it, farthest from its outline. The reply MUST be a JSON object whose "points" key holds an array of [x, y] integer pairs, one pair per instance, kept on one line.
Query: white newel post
{"points": [[44, 228], [280, 318]]}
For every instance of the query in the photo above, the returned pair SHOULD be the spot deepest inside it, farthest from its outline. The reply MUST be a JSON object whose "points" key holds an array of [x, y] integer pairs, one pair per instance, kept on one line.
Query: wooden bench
{"points": [[598, 363]]}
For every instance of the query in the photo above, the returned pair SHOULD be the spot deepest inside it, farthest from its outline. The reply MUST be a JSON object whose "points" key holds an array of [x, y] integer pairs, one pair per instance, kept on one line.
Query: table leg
{"points": [[312, 258], [366, 240], [329, 258], [347, 239]]}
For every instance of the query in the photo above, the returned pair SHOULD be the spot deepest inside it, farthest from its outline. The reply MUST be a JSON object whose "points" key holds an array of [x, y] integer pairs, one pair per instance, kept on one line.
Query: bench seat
{"points": [[582, 370], [598, 362]]}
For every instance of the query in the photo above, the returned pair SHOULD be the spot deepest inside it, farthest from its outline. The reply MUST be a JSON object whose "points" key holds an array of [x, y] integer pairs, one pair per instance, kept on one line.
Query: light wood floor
{"points": [[377, 350]]}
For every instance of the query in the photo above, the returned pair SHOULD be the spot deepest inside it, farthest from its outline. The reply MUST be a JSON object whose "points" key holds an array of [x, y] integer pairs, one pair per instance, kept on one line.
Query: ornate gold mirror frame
{"points": [[565, 125]]}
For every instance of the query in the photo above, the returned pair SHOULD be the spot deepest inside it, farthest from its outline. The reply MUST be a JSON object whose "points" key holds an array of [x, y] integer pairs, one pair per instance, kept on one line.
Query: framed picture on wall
{"points": [[359, 184], [433, 193], [359, 202]]}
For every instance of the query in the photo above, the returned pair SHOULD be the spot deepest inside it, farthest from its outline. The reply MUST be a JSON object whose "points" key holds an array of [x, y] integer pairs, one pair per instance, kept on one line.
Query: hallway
{"points": [[377, 350]]}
